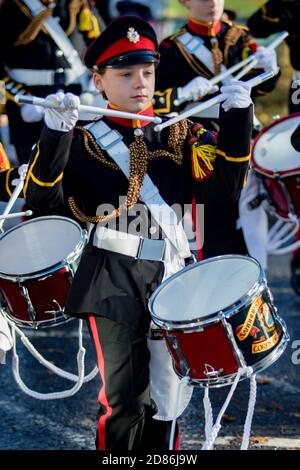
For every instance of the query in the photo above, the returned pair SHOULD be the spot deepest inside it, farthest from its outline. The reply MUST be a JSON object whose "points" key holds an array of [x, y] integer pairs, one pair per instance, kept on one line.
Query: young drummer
{"points": [[200, 50], [73, 171]]}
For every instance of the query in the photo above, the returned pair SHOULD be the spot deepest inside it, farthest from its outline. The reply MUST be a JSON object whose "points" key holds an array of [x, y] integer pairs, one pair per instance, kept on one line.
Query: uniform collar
{"points": [[204, 29], [133, 123]]}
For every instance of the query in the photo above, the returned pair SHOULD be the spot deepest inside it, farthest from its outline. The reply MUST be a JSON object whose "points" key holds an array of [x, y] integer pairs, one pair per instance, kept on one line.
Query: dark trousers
{"points": [[126, 409]]}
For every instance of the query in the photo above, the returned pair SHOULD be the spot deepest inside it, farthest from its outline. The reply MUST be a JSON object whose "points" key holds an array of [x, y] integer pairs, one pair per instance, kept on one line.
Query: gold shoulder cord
{"points": [[37, 22], [231, 38], [95, 152], [139, 158], [217, 55]]}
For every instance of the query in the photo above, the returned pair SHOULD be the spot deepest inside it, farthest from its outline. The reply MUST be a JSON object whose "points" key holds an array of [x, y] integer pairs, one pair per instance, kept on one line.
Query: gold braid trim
{"points": [[177, 136], [74, 8], [139, 158], [138, 168], [231, 38], [95, 151], [217, 55], [34, 27]]}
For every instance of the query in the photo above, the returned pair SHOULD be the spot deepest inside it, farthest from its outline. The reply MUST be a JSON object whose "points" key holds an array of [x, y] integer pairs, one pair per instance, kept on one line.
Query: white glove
{"points": [[267, 59], [62, 119], [237, 95], [31, 113], [195, 89], [22, 170]]}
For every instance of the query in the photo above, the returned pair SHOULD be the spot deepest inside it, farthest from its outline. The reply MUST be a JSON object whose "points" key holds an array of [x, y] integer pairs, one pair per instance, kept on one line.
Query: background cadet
{"points": [[282, 15], [32, 62]]}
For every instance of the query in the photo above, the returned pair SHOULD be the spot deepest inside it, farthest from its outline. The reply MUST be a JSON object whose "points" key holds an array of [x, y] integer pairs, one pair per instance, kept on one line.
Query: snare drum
{"points": [[217, 316], [277, 162], [38, 259]]}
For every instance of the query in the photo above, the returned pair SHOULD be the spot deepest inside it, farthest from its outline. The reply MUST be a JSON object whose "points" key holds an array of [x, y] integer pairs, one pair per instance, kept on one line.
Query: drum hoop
{"points": [[262, 170], [196, 323], [30, 324], [67, 261], [275, 175]]}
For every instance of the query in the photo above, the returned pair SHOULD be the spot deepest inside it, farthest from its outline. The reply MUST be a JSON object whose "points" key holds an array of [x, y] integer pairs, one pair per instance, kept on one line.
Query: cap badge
{"points": [[133, 35]]}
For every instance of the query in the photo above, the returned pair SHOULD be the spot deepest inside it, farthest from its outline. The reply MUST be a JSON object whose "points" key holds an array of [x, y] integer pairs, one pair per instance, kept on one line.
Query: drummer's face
{"points": [[204, 10], [130, 88]]}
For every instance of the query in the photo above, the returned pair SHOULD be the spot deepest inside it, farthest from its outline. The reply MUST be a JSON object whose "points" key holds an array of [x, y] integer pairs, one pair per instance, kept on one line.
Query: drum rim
{"points": [[262, 170], [197, 323], [68, 260]]}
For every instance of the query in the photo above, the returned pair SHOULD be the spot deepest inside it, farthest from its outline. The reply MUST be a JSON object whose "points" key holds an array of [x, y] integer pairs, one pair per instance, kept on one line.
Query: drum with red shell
{"points": [[217, 316], [276, 160], [38, 259]]}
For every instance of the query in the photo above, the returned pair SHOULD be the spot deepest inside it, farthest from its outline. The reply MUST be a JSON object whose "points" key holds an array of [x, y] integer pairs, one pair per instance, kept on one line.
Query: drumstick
{"points": [[16, 214], [216, 100], [221, 76], [272, 45], [24, 99], [12, 200], [251, 61]]}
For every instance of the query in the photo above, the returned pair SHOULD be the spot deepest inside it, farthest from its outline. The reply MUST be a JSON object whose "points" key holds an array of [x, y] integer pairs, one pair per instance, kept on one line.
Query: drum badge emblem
{"points": [[258, 327], [133, 35]]}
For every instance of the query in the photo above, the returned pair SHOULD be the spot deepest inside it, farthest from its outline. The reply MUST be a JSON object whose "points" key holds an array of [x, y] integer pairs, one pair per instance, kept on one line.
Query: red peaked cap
{"points": [[126, 41]]}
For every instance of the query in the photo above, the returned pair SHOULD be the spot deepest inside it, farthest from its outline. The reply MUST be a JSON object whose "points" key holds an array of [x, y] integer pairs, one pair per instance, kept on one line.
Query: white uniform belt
{"points": [[32, 77], [128, 244]]}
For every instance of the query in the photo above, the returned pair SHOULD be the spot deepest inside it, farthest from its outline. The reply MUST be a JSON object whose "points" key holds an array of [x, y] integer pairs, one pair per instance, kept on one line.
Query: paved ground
{"points": [[26, 423]]}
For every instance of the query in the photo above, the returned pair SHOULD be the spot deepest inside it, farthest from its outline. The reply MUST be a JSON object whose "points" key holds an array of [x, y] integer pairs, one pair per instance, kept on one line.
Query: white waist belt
{"points": [[128, 244], [31, 77]]}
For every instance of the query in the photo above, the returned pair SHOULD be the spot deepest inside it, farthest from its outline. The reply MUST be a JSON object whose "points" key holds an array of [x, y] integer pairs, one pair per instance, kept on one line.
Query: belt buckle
{"points": [[152, 250]]}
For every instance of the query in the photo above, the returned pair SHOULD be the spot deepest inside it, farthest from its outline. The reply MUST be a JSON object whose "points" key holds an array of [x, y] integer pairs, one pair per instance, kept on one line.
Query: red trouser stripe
{"points": [[177, 442], [102, 398]]}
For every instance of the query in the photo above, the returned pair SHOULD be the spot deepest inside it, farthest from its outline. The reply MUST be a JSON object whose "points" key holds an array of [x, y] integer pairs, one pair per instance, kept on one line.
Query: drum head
{"points": [[38, 244], [204, 288], [273, 152]]}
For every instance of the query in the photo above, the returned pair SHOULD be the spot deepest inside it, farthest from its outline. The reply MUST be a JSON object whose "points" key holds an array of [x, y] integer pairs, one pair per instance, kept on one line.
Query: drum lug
{"points": [[212, 373], [30, 308], [185, 370]]}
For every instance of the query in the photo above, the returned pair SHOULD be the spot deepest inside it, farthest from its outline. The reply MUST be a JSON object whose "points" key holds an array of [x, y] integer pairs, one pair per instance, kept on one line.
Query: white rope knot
{"points": [[249, 371], [185, 381]]}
